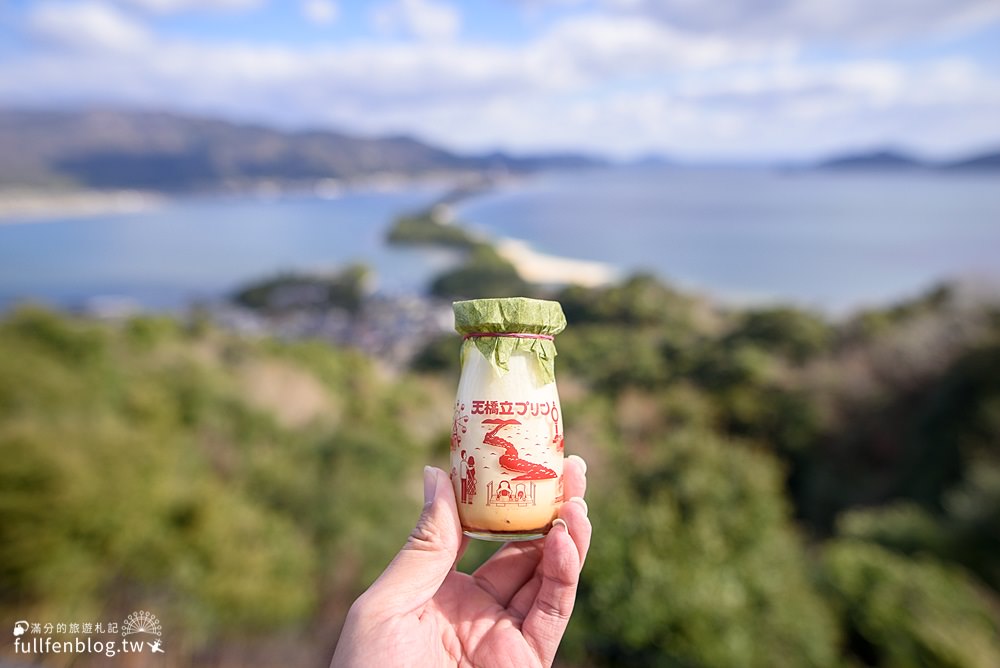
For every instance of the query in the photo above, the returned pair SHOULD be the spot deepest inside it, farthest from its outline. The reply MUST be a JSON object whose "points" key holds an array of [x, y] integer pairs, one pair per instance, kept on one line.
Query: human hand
{"points": [[512, 611]]}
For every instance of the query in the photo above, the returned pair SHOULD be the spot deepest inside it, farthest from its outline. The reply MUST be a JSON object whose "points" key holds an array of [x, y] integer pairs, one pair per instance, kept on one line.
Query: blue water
{"points": [[825, 239], [205, 248], [829, 240]]}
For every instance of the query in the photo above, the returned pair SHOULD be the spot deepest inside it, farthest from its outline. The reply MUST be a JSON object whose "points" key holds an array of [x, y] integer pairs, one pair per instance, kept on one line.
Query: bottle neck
{"points": [[511, 335]]}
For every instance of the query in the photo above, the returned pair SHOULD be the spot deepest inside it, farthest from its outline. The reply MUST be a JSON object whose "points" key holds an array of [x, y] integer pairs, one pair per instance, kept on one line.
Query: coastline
{"points": [[440, 225], [544, 269], [25, 204], [30, 206]]}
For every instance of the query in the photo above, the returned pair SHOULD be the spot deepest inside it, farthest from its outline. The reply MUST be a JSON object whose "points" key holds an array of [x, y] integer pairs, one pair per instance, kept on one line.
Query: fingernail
{"points": [[560, 522], [430, 484], [582, 461], [579, 501]]}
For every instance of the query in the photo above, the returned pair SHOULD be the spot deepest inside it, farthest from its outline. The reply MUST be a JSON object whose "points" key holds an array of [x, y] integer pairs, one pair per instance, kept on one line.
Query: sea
{"points": [[830, 240]]}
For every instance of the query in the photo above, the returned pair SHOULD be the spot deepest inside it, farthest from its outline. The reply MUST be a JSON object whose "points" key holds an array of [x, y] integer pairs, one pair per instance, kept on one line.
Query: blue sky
{"points": [[727, 79]]}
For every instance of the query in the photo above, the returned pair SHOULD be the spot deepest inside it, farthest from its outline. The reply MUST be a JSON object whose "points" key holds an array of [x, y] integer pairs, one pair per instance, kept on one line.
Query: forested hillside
{"points": [[767, 488]]}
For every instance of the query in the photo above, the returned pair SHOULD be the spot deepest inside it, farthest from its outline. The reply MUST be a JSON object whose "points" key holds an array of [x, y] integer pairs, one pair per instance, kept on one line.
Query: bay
{"points": [[203, 248], [830, 240]]}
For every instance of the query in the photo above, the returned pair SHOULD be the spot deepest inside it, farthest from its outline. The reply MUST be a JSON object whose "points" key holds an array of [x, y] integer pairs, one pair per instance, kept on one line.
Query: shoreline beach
{"points": [[27, 204], [441, 225], [33, 206], [544, 269]]}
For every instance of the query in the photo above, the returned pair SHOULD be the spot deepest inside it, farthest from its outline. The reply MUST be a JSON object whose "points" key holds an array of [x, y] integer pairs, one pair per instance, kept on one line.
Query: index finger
{"points": [[574, 477]]}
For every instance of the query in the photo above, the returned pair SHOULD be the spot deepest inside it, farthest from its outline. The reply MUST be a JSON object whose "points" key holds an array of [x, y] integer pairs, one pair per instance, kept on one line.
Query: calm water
{"points": [[829, 240], [203, 248]]}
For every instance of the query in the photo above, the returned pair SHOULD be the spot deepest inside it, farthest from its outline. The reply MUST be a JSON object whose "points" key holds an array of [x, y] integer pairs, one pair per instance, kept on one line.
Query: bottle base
{"points": [[506, 536]]}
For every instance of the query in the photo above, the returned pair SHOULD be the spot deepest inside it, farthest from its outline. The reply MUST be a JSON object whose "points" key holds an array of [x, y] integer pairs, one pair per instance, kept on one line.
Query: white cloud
{"points": [[607, 46], [425, 19], [320, 12], [177, 6], [86, 25], [620, 84], [842, 21]]}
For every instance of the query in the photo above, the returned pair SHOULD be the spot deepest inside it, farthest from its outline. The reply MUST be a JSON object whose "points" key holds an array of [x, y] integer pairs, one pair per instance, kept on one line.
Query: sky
{"points": [[707, 80]]}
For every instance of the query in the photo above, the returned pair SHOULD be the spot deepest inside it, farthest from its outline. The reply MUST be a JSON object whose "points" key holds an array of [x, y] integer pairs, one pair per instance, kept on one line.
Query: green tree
{"points": [[484, 273], [288, 292], [902, 612], [793, 333], [696, 563]]}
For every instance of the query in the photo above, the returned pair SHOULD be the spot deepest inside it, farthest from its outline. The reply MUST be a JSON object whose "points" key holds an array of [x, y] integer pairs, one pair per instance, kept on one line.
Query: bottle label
{"points": [[507, 459]]}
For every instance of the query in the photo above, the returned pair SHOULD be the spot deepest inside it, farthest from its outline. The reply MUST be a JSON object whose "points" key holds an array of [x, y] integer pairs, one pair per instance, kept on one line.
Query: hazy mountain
{"points": [[651, 160], [982, 161], [528, 163], [895, 160], [875, 160], [171, 152]]}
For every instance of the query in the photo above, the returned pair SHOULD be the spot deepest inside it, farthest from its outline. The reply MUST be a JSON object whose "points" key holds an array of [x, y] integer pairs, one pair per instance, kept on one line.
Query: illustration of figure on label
{"points": [[470, 479], [467, 477], [521, 494], [463, 475]]}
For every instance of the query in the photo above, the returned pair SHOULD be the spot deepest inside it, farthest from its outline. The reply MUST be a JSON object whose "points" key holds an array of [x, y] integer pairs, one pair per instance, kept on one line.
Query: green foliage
{"points": [[967, 532], [639, 300], [912, 440], [147, 332], [286, 292], [963, 408], [137, 466], [873, 323], [903, 527], [237, 486], [612, 358], [906, 436], [973, 522], [484, 273], [909, 611], [424, 229], [786, 331], [120, 505], [440, 355], [696, 563], [51, 335]]}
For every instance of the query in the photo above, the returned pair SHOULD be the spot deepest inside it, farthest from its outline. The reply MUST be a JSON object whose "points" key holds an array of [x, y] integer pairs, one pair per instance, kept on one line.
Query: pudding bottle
{"points": [[507, 433]]}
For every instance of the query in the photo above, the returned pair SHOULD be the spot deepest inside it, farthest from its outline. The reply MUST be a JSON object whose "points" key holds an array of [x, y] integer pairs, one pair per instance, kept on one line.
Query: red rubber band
{"points": [[512, 335]]}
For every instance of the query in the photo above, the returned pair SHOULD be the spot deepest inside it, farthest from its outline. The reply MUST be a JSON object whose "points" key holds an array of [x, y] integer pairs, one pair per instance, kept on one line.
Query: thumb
{"points": [[430, 552]]}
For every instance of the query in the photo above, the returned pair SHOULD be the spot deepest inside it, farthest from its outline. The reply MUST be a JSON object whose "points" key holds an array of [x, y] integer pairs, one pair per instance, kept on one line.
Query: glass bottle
{"points": [[507, 434]]}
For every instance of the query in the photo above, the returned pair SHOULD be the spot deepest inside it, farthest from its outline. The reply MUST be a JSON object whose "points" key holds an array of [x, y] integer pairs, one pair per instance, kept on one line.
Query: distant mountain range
{"points": [[166, 152], [114, 149], [891, 160]]}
